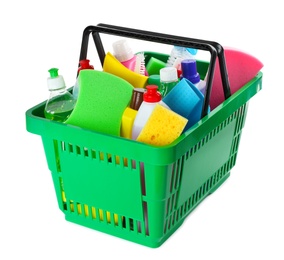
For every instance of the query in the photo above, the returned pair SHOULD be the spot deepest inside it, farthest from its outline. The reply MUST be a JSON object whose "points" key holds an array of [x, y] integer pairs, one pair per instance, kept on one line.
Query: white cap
{"points": [[168, 74], [56, 83], [122, 50]]}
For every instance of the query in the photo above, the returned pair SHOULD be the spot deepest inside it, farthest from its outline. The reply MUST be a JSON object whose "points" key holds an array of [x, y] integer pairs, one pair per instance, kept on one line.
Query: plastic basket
{"points": [[133, 190]]}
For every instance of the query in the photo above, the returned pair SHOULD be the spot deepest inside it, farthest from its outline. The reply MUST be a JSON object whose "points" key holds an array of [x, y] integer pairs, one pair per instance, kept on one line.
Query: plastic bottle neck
{"points": [[85, 64], [152, 95], [58, 92]]}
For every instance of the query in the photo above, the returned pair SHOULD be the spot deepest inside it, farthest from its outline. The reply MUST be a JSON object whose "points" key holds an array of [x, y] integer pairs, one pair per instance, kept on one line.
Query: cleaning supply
{"points": [[189, 71], [127, 122], [137, 98], [163, 127], [84, 64], [150, 98], [154, 65], [168, 79], [130, 112], [124, 54], [241, 68], [113, 66], [178, 54], [61, 102], [101, 103], [186, 100]]}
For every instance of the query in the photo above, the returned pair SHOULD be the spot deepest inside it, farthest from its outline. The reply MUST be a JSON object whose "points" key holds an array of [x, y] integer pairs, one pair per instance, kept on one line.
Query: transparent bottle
{"points": [[60, 102], [178, 54], [168, 79]]}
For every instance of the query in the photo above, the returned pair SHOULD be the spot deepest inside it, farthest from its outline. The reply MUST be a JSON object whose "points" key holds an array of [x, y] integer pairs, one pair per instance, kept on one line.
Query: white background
{"points": [[243, 219]]}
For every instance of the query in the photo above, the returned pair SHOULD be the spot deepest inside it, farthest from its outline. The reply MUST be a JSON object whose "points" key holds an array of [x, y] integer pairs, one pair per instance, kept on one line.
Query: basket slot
{"points": [[142, 179], [176, 174], [241, 116], [95, 155]]}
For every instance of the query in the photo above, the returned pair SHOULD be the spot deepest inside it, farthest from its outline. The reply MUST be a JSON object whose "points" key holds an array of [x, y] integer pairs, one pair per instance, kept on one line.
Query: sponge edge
{"points": [[163, 127], [113, 66], [241, 67], [154, 65], [102, 100], [128, 118]]}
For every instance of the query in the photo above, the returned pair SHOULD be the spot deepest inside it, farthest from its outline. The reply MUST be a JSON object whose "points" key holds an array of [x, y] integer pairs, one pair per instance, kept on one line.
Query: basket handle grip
{"points": [[215, 49]]}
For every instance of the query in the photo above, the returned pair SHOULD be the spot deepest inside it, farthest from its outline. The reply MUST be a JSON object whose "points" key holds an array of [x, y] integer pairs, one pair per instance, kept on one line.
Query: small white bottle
{"points": [[168, 79], [124, 54], [150, 98], [189, 71]]}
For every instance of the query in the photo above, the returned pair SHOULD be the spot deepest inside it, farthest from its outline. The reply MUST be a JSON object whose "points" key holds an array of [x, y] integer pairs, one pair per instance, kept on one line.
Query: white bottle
{"points": [[150, 98], [124, 54], [168, 80]]}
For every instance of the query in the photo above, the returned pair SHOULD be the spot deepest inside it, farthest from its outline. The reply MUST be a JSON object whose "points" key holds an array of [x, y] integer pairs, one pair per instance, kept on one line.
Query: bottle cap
{"points": [[189, 70], [137, 98], [192, 51], [152, 95], [85, 64], [168, 74], [122, 50], [55, 81]]}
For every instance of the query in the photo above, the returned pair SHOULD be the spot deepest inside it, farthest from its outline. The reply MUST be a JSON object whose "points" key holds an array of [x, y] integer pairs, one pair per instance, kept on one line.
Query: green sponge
{"points": [[102, 99], [154, 65]]}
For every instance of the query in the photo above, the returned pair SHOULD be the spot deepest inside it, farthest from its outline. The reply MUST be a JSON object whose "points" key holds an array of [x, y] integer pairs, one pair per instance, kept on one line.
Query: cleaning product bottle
{"points": [[178, 54], [168, 79], [61, 102], [124, 54], [84, 64], [137, 98], [130, 112], [189, 71], [150, 98]]}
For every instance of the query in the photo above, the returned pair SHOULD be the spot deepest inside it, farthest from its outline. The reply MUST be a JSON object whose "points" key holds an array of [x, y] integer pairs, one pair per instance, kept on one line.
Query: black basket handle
{"points": [[215, 49]]}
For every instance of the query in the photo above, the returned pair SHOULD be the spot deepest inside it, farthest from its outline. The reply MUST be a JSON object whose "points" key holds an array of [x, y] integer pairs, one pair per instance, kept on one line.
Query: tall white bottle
{"points": [[150, 98]]}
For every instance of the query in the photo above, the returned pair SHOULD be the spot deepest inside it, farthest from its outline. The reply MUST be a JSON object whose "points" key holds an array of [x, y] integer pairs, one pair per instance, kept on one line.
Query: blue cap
{"points": [[189, 70], [191, 51]]}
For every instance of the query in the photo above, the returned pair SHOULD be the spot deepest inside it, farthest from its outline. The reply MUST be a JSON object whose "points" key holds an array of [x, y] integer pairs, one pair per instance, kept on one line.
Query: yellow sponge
{"points": [[128, 118], [163, 127], [113, 66]]}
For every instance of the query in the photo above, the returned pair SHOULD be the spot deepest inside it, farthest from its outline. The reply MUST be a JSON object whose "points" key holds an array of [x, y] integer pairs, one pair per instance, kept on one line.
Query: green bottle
{"points": [[168, 80], [61, 102]]}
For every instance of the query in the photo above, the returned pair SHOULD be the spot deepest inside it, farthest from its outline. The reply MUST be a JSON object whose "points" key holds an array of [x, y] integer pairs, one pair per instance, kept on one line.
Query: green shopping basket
{"points": [[136, 191]]}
